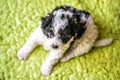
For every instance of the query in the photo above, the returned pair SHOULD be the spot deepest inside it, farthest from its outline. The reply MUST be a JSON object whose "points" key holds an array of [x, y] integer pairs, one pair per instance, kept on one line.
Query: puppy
{"points": [[66, 32]]}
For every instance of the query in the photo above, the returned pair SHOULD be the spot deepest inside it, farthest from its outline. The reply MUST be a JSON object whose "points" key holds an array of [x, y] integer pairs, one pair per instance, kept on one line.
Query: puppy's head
{"points": [[62, 24]]}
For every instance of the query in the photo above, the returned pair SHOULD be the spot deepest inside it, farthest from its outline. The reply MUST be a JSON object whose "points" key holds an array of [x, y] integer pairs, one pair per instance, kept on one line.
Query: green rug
{"points": [[18, 18]]}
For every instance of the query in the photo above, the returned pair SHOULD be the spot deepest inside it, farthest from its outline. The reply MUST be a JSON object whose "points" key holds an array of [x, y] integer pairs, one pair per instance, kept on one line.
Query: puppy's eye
{"points": [[62, 16]]}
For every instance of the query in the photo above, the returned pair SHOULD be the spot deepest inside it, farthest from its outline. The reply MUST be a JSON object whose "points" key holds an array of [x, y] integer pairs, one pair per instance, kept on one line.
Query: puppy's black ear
{"points": [[78, 21], [46, 20]]}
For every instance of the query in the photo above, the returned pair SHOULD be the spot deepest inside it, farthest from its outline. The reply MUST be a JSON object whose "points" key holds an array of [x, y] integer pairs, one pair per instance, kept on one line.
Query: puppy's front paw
{"points": [[22, 55], [46, 69]]}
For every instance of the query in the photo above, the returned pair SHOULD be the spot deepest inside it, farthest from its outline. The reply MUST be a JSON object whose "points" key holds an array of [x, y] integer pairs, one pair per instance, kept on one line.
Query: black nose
{"points": [[55, 46]]}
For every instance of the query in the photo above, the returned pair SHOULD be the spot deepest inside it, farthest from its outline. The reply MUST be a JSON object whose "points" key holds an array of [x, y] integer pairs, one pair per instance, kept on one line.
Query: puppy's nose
{"points": [[55, 46]]}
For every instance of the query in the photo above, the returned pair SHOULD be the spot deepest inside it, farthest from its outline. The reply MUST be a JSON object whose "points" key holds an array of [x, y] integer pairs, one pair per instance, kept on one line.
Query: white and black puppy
{"points": [[66, 32]]}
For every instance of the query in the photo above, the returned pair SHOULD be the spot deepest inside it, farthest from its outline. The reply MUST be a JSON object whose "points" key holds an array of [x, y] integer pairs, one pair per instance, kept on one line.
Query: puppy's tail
{"points": [[103, 42]]}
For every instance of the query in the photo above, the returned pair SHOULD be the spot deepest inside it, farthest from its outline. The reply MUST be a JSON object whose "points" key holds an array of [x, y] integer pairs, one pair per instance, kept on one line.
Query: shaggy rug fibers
{"points": [[18, 18]]}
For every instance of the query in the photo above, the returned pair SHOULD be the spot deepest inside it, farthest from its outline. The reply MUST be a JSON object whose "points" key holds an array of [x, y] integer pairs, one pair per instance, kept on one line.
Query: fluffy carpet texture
{"points": [[18, 18]]}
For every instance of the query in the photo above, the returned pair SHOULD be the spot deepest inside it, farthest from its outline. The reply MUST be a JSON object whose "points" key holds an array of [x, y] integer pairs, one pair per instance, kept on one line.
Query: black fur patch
{"points": [[65, 34], [47, 28]]}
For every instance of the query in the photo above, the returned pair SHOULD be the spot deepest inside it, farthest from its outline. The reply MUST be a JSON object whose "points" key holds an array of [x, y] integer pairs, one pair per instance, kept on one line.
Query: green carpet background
{"points": [[18, 18]]}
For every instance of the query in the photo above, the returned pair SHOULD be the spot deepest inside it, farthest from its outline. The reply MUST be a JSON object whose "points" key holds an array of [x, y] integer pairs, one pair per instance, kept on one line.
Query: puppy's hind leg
{"points": [[30, 44]]}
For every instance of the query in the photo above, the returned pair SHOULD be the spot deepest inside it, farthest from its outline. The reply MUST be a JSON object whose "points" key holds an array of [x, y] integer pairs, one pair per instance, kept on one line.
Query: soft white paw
{"points": [[22, 55], [46, 69]]}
